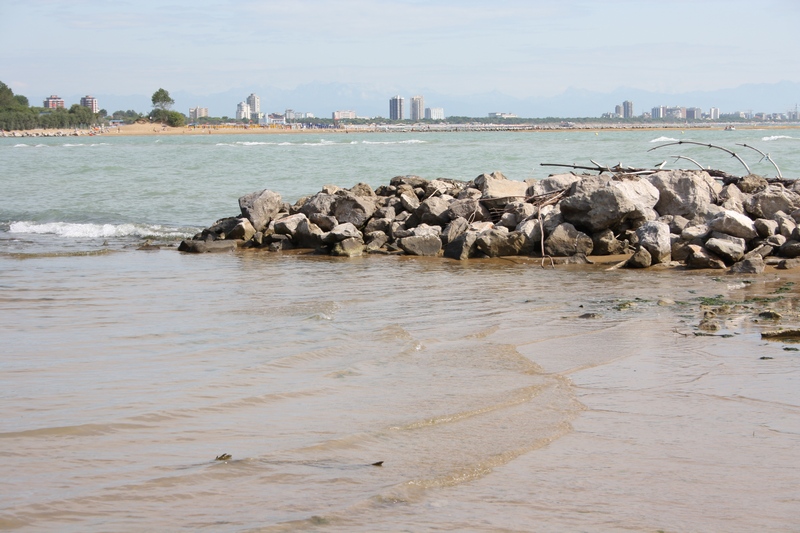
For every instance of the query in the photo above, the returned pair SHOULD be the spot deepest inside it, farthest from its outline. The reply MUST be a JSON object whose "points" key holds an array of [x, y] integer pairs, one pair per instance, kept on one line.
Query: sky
{"points": [[458, 48]]}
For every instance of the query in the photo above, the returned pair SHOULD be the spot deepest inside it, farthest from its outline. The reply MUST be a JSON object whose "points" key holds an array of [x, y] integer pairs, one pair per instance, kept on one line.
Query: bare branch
{"points": [[733, 154], [764, 156]]}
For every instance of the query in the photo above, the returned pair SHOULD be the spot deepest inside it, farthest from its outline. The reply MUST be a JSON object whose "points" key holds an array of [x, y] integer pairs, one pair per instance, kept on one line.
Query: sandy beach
{"points": [[158, 129]]}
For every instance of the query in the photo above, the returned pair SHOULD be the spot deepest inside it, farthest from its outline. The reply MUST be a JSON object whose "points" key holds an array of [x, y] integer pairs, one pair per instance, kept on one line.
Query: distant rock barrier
{"points": [[667, 217]]}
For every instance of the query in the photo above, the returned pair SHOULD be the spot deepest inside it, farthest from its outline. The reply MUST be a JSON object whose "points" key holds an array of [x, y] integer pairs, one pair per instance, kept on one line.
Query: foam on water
{"points": [[97, 231], [776, 137], [663, 140]]}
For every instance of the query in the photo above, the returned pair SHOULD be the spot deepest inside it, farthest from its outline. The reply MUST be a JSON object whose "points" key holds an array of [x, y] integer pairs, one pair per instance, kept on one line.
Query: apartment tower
{"points": [[396, 108], [417, 108]]}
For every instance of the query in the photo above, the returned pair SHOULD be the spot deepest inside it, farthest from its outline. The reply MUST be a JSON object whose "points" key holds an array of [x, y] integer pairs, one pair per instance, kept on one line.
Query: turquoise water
{"points": [[492, 401]]}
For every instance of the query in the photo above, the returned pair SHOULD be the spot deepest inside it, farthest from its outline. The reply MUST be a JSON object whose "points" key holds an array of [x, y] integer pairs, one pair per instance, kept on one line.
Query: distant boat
{"points": [[730, 128]]}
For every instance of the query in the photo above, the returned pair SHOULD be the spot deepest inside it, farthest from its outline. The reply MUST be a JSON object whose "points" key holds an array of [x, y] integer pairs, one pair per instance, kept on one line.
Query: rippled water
{"points": [[497, 394]]}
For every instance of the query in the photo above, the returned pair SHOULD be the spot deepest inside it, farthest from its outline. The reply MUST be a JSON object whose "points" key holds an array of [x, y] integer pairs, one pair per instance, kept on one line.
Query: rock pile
{"points": [[666, 216]]}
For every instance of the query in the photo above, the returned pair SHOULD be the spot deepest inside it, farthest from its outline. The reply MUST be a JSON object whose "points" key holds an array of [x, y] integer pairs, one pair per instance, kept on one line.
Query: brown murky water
{"points": [[499, 396]]}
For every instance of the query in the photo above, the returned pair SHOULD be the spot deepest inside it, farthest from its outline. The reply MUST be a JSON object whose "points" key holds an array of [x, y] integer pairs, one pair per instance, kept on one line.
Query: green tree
{"points": [[6, 96], [22, 101], [162, 100]]}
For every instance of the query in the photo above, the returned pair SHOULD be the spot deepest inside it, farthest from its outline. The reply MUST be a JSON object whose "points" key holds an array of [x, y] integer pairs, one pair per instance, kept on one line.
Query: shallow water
{"points": [[493, 402]]}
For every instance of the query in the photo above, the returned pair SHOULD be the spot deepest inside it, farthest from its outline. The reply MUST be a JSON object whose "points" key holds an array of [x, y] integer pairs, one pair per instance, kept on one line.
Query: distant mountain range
{"points": [[322, 99]]}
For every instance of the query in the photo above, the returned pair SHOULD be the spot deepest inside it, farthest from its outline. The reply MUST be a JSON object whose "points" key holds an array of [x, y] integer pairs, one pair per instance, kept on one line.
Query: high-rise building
{"points": [[243, 111], [197, 112], [434, 113], [339, 115], [658, 112], [417, 108], [694, 113], [90, 102], [396, 108], [714, 114], [254, 102], [53, 102], [627, 109], [618, 110]]}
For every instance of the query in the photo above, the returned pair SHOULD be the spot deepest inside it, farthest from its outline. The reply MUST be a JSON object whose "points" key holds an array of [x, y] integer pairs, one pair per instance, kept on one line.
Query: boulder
{"points": [[698, 257], [790, 248], [531, 230], [655, 238], [260, 207], [348, 207], [409, 201], [350, 247], [456, 227], [641, 258], [598, 203], [766, 203], [606, 243], [788, 264], [325, 222], [691, 194], [411, 180], [749, 265], [321, 203], [243, 230], [288, 225], [376, 240], [378, 224], [565, 240], [752, 184], [462, 247], [468, 208], [729, 251], [497, 243], [425, 245], [695, 231], [348, 230], [425, 229], [433, 211], [556, 182], [735, 224], [497, 186], [200, 247], [362, 189], [220, 229], [308, 235], [766, 228]]}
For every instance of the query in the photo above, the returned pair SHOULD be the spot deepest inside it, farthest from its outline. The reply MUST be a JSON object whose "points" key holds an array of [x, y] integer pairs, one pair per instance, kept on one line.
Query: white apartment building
{"points": [[91, 103], [434, 113], [243, 111], [417, 108], [339, 115], [197, 112], [255, 104]]}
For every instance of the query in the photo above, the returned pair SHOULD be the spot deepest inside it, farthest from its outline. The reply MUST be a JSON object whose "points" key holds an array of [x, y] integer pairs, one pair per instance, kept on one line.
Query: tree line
{"points": [[16, 113]]}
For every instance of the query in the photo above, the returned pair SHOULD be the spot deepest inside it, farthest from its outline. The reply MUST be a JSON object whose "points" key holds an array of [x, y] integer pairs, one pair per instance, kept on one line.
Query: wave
{"points": [[776, 137], [23, 145], [70, 145], [663, 140], [98, 231], [409, 141]]}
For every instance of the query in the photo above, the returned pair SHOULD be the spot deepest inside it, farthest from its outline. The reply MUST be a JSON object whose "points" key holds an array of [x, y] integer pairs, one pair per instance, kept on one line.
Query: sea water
{"points": [[494, 394]]}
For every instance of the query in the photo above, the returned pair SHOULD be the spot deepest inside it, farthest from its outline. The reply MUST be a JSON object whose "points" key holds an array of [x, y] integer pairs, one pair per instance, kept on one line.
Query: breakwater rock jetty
{"points": [[684, 217]]}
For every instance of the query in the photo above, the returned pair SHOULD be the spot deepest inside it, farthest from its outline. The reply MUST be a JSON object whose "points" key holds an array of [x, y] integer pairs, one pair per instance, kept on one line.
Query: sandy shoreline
{"points": [[155, 129]]}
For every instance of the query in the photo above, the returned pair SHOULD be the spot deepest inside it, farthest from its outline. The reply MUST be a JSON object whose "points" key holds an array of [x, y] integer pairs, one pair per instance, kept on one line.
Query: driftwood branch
{"points": [[764, 156], [733, 154], [688, 159]]}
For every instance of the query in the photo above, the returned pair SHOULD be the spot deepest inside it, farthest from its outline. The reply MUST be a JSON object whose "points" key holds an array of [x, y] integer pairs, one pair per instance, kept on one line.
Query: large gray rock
{"points": [[655, 238], [433, 211], [350, 247], [695, 231], [699, 257], [565, 240], [288, 225], [606, 243], [221, 228], [766, 203], [691, 194], [468, 208], [454, 229], [766, 228], [425, 245], [362, 189], [200, 247], [556, 182], [641, 258], [260, 208], [531, 230], [496, 243], [728, 250], [321, 203], [462, 247], [735, 224], [308, 235], [348, 207], [347, 230], [243, 230], [749, 265], [598, 203], [497, 186], [409, 201]]}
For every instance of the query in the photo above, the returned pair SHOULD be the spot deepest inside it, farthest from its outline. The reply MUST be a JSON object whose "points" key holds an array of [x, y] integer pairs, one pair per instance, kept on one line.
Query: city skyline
{"points": [[187, 49]]}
